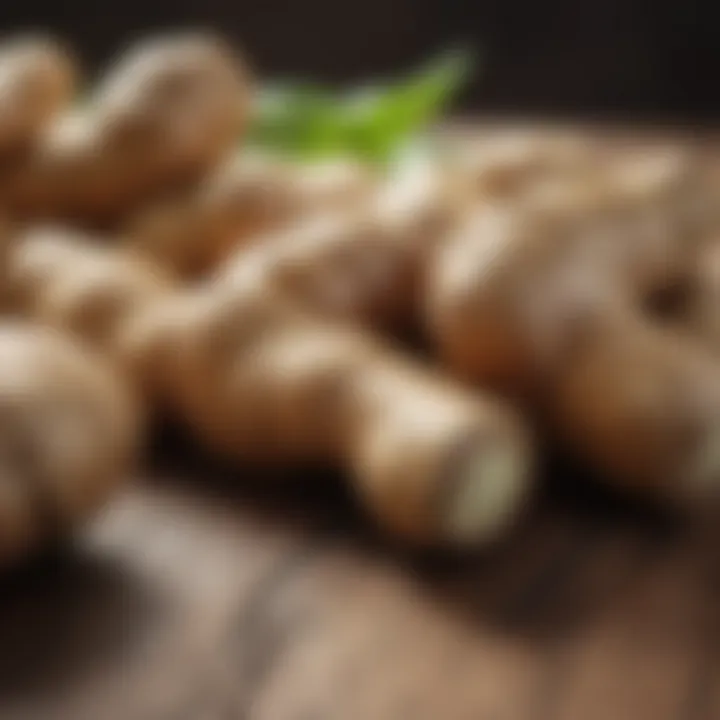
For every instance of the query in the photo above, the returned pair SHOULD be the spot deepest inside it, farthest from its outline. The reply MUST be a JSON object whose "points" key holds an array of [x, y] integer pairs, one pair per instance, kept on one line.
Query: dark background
{"points": [[562, 57]]}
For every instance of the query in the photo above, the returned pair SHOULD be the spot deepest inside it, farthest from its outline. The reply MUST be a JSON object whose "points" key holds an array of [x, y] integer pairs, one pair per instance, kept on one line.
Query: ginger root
{"points": [[162, 117], [546, 302], [520, 296], [37, 79], [245, 197], [70, 431], [259, 377]]}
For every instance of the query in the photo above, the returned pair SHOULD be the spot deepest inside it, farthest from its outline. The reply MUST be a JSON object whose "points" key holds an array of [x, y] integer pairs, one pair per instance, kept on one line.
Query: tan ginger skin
{"points": [[164, 115], [70, 432], [259, 378], [561, 252], [525, 301], [547, 302], [70, 425], [37, 80], [372, 263], [365, 265], [252, 197], [700, 314], [247, 195], [350, 243]]}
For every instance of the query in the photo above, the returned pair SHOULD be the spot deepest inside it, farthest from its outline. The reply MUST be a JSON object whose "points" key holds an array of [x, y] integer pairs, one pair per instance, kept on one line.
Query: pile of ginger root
{"points": [[152, 265]]}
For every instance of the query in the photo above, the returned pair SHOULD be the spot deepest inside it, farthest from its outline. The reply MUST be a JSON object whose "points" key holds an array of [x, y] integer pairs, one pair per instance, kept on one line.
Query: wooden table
{"points": [[204, 594], [192, 599]]}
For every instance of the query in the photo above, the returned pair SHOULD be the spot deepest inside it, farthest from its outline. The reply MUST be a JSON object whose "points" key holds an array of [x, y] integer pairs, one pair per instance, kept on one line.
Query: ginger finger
{"points": [[162, 117], [526, 274], [54, 275], [37, 78], [364, 266], [258, 378], [664, 204], [69, 433], [246, 196], [644, 405], [534, 305], [506, 164]]}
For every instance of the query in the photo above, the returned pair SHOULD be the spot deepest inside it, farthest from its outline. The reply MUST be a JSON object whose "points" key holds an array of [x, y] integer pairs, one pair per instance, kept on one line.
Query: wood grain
{"points": [[192, 599]]}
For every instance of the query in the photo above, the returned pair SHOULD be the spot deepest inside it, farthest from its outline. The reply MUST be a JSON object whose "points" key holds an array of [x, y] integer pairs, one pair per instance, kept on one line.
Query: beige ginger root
{"points": [[522, 300], [70, 431], [258, 377], [700, 314], [37, 79], [162, 117], [362, 264], [547, 302], [253, 197], [246, 196]]}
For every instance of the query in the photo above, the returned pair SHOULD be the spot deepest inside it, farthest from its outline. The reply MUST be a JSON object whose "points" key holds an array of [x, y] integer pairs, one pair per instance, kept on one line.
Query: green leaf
{"points": [[293, 117], [371, 123], [392, 115]]}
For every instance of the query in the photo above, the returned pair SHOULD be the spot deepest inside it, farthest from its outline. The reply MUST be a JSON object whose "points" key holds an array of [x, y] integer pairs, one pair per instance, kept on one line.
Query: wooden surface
{"points": [[192, 600]]}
